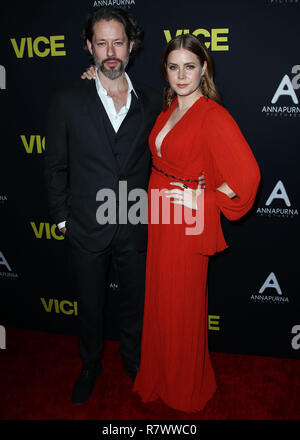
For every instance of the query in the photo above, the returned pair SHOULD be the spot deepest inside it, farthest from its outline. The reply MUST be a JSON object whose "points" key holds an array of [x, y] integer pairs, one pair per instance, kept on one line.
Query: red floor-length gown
{"points": [[175, 362]]}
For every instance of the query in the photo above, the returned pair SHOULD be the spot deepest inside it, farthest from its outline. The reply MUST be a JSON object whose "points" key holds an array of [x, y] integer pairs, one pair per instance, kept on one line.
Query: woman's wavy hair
{"points": [[132, 30], [195, 45]]}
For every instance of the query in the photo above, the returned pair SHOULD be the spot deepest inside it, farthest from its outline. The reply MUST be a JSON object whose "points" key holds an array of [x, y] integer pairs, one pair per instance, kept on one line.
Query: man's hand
{"points": [[63, 231], [90, 73]]}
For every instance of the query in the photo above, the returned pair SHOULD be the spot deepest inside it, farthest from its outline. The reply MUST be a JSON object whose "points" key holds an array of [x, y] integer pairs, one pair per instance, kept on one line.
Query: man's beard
{"points": [[111, 73]]}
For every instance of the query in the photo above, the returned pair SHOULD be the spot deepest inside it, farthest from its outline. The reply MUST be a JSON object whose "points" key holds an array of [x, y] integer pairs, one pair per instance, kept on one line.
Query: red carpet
{"points": [[38, 370]]}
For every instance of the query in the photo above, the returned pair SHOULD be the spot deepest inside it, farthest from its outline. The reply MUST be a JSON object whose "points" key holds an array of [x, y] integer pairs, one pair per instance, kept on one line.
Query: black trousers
{"points": [[90, 272]]}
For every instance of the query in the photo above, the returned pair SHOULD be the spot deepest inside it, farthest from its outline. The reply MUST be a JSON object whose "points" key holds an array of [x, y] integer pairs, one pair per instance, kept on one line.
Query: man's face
{"points": [[110, 48]]}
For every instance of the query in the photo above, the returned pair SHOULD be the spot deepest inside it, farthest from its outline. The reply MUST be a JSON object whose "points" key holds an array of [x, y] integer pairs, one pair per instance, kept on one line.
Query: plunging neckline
{"points": [[175, 125]]}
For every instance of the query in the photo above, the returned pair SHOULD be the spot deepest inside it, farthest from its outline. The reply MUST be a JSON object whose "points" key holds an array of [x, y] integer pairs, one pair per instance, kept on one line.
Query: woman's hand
{"points": [[186, 196], [90, 73]]}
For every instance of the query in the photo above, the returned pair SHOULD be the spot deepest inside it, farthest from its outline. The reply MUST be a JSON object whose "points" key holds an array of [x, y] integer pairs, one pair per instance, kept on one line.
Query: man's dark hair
{"points": [[108, 13]]}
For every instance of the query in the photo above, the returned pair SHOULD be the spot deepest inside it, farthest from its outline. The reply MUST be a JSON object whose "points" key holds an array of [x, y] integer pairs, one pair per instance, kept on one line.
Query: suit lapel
{"points": [[97, 113], [140, 131]]}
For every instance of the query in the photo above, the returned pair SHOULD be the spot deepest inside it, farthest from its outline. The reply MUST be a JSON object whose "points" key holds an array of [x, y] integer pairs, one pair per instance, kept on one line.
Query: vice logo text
{"points": [[218, 37], [41, 46]]}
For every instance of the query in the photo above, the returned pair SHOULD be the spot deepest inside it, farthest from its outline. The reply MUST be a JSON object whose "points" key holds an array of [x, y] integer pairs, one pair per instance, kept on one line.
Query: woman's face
{"points": [[184, 72]]}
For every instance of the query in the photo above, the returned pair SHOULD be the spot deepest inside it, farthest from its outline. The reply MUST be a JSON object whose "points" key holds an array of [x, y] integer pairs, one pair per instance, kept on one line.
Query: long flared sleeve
{"points": [[234, 163], [228, 158]]}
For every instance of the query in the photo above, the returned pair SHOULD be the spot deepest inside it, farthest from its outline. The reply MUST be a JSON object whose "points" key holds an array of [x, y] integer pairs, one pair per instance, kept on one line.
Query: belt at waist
{"points": [[174, 177]]}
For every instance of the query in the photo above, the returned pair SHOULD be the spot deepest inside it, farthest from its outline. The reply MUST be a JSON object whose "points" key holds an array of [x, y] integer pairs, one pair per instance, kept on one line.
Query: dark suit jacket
{"points": [[79, 161]]}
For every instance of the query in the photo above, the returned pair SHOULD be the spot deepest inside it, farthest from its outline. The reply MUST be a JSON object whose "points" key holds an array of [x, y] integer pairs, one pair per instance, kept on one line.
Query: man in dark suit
{"points": [[97, 137]]}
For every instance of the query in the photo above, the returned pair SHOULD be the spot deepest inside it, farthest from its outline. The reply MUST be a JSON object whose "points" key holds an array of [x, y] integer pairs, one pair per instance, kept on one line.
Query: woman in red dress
{"points": [[194, 134]]}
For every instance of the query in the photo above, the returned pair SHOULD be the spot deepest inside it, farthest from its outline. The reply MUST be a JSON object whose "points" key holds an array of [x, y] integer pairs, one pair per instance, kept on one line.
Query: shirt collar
{"points": [[102, 90]]}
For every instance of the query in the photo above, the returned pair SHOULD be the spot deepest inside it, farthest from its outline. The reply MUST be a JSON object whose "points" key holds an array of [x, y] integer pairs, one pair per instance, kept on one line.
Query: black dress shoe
{"points": [[131, 370], [84, 385]]}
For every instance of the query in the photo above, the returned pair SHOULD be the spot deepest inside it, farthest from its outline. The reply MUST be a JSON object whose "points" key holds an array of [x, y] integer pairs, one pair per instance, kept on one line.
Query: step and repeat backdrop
{"points": [[254, 301]]}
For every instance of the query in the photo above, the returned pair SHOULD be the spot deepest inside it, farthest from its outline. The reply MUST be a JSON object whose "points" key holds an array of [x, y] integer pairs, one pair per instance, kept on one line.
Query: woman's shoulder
{"points": [[213, 106], [216, 113]]}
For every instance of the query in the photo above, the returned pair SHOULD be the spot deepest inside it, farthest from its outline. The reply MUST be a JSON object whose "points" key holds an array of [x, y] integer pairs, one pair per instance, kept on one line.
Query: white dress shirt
{"points": [[115, 118]]}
